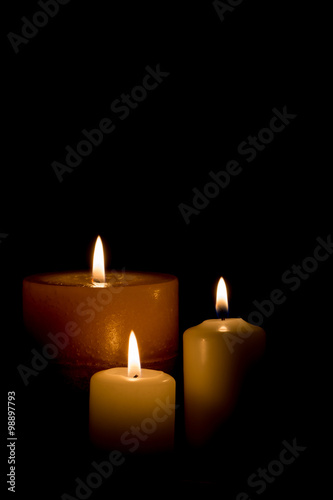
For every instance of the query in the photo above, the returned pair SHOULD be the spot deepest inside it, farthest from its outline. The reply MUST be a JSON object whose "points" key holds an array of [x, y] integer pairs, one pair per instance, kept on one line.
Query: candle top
{"points": [[212, 327], [112, 278], [225, 325], [121, 373]]}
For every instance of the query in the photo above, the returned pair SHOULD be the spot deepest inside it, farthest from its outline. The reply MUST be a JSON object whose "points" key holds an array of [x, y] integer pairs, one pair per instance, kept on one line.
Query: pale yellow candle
{"points": [[216, 354], [132, 409]]}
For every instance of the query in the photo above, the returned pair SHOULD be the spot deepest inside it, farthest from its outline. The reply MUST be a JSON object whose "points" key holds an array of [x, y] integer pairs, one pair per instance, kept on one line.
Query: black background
{"points": [[224, 80]]}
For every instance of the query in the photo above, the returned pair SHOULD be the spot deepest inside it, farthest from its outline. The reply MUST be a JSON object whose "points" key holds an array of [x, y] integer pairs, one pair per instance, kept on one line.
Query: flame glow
{"points": [[221, 299], [134, 366], [98, 269]]}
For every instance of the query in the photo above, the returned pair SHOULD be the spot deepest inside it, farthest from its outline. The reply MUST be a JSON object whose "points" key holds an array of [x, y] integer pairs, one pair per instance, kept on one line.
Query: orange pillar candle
{"points": [[88, 318]]}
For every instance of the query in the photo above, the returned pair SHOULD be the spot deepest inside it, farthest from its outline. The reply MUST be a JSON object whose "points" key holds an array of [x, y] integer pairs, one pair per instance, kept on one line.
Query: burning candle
{"points": [[132, 409], [216, 354], [98, 269], [86, 316]]}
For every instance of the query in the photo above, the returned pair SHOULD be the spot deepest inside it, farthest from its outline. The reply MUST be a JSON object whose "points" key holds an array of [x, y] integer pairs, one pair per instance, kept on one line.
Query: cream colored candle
{"points": [[132, 409], [216, 354]]}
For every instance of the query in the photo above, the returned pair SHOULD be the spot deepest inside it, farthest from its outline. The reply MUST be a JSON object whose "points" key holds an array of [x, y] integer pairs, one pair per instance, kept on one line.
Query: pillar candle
{"points": [[216, 355], [132, 409], [87, 320]]}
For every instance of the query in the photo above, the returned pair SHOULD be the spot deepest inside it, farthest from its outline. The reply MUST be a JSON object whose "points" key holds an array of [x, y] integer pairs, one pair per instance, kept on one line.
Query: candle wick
{"points": [[135, 376], [221, 313]]}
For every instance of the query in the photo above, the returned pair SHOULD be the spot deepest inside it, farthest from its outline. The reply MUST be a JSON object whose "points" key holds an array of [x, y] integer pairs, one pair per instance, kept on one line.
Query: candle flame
{"points": [[98, 270], [134, 366], [221, 299]]}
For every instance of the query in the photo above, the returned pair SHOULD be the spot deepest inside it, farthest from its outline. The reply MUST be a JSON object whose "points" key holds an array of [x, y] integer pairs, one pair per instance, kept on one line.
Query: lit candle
{"points": [[132, 409], [86, 317], [216, 354], [98, 268]]}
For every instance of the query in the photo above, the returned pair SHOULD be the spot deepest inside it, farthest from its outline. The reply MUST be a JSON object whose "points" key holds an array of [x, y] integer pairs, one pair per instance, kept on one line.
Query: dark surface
{"points": [[225, 79]]}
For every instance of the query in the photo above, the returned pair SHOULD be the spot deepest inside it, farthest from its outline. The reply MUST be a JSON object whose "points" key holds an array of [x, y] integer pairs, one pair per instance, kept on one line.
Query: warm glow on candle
{"points": [[98, 270], [134, 366], [221, 299]]}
